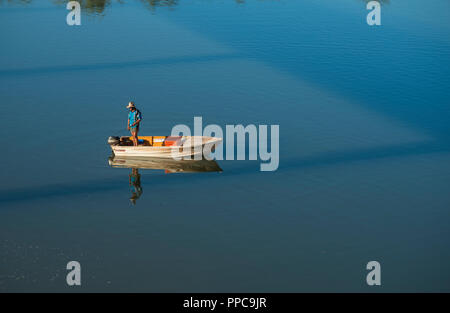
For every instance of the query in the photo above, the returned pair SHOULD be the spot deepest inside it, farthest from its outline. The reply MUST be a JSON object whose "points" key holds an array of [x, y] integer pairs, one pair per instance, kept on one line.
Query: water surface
{"points": [[364, 146]]}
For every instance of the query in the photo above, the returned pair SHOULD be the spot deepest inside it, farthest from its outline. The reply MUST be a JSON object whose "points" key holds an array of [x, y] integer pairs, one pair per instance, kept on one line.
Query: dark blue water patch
{"points": [[6, 74]]}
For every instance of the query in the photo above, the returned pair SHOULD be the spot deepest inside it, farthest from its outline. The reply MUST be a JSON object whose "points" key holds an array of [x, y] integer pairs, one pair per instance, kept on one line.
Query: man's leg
{"points": [[135, 138], [132, 130], [136, 134]]}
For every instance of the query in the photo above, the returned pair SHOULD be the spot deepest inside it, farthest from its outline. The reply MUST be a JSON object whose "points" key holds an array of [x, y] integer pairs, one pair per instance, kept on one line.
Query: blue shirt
{"points": [[133, 117]]}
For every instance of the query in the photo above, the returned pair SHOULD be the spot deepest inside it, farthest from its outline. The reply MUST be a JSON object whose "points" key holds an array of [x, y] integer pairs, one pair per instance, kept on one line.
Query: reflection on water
{"points": [[135, 184], [168, 165], [90, 6], [98, 6]]}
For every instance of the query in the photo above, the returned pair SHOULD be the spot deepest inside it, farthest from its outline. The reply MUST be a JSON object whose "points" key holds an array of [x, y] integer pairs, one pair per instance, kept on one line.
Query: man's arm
{"points": [[136, 123], [137, 119], [128, 124]]}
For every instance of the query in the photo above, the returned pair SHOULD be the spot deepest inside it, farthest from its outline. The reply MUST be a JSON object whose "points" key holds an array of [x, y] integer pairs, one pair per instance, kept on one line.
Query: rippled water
{"points": [[364, 146]]}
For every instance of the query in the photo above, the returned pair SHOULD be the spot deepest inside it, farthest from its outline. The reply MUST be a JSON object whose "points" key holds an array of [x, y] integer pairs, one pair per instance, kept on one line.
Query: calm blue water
{"points": [[364, 169]]}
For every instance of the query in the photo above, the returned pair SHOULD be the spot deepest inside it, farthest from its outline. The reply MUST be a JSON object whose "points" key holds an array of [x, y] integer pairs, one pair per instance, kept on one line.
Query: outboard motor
{"points": [[113, 140]]}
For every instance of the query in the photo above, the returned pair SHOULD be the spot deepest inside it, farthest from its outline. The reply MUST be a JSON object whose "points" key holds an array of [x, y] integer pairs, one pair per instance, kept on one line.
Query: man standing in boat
{"points": [[134, 120]]}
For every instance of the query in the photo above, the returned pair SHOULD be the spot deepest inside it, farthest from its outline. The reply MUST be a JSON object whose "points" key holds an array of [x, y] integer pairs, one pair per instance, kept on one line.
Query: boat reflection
{"points": [[168, 165]]}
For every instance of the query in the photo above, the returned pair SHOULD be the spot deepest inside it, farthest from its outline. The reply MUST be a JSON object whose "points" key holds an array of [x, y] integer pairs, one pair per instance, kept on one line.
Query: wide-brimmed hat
{"points": [[130, 105]]}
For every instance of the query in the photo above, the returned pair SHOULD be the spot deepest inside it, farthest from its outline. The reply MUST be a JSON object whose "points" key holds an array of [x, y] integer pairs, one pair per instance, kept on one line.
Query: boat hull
{"points": [[190, 146]]}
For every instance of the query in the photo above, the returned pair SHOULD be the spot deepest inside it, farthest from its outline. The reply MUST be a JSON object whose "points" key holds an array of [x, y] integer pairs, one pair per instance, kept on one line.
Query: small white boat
{"points": [[179, 147]]}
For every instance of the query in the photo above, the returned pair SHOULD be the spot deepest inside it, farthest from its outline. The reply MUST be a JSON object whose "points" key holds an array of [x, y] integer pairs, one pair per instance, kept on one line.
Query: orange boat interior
{"points": [[155, 141]]}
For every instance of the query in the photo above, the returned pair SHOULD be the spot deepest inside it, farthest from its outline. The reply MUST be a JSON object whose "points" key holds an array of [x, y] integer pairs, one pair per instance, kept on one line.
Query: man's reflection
{"points": [[135, 184], [166, 164]]}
